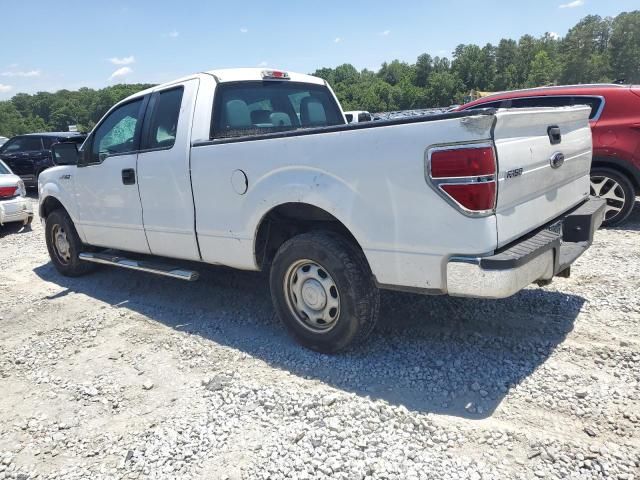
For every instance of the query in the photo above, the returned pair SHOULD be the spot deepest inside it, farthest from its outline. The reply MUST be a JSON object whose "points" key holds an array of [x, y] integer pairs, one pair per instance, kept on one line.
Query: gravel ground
{"points": [[127, 375]]}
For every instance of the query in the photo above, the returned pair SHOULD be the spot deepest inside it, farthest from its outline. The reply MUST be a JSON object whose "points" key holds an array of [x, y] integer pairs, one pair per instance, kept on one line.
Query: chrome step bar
{"points": [[140, 265]]}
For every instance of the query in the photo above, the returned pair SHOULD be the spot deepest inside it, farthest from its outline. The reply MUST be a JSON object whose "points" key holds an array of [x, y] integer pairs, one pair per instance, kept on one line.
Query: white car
{"points": [[358, 116], [258, 170], [3, 140], [14, 205]]}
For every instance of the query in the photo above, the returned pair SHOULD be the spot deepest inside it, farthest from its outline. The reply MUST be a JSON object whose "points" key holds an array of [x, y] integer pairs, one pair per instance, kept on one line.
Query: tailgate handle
{"points": [[555, 137]]}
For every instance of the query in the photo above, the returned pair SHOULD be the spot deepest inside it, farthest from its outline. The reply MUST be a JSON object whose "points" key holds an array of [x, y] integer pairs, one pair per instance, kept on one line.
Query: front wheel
{"points": [[64, 245], [617, 190], [323, 291]]}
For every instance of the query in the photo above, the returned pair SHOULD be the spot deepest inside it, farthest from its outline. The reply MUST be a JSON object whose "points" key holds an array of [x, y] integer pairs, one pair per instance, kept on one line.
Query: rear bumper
{"points": [[17, 209], [537, 257]]}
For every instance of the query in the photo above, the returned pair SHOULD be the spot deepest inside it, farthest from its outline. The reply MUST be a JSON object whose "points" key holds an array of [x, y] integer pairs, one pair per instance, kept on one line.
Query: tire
{"points": [[328, 276], [64, 256], [619, 192]]}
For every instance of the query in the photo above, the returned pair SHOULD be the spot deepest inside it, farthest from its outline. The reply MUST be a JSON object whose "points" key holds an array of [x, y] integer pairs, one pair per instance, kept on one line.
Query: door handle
{"points": [[129, 176]]}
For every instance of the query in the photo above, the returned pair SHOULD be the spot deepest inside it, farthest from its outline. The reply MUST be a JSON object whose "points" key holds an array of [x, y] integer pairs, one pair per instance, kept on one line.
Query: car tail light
{"points": [[463, 162], [8, 192], [466, 177]]}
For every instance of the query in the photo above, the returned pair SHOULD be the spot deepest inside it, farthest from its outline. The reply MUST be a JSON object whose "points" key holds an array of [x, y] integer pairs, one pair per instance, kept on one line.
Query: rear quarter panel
{"points": [[371, 179]]}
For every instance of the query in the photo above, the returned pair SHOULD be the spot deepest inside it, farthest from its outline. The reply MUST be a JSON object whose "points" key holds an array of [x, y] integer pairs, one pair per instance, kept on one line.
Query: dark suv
{"points": [[28, 155], [615, 125]]}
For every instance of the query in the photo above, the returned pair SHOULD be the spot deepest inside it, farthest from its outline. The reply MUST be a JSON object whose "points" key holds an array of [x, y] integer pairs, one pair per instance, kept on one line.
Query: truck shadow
{"points": [[431, 354]]}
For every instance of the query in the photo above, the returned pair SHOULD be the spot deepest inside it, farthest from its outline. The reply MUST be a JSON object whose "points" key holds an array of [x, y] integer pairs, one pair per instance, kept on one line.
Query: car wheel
{"points": [[64, 245], [323, 291], [617, 190]]}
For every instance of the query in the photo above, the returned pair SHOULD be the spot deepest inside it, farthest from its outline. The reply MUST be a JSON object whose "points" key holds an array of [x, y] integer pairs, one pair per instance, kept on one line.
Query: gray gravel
{"points": [[126, 375]]}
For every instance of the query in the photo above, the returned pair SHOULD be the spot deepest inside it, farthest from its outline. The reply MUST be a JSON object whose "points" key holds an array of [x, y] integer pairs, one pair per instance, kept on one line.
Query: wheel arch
{"points": [[289, 219], [48, 205], [623, 167]]}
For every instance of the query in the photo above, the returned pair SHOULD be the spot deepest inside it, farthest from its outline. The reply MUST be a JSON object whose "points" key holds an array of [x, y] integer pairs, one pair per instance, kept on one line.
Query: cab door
{"points": [[108, 201], [164, 173]]}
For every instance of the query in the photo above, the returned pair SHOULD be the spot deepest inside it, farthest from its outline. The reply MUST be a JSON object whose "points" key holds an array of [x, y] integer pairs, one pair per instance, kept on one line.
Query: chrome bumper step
{"points": [[140, 265]]}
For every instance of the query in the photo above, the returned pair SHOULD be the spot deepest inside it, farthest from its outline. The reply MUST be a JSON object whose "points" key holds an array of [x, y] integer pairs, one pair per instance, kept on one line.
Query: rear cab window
{"points": [[255, 108]]}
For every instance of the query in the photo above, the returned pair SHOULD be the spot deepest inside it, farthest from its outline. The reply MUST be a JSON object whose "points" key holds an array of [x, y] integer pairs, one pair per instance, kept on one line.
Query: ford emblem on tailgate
{"points": [[557, 160]]}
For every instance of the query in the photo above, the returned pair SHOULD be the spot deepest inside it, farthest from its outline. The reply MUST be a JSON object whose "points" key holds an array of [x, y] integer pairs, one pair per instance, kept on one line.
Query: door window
{"points": [[118, 133], [22, 144], [164, 120]]}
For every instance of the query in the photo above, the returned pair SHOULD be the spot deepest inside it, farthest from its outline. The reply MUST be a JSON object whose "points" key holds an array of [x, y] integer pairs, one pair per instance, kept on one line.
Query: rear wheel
{"points": [[617, 190], [323, 291], [64, 245]]}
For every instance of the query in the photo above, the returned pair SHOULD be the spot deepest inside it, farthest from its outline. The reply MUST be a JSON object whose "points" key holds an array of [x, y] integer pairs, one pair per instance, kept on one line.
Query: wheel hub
{"points": [[61, 243], [612, 192], [312, 295]]}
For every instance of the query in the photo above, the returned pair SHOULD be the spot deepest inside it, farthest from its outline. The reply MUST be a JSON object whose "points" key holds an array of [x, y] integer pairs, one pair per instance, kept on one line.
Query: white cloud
{"points": [[121, 72], [386, 33], [554, 35], [574, 4], [264, 63], [30, 73], [337, 40], [123, 61], [174, 34], [5, 88], [244, 30]]}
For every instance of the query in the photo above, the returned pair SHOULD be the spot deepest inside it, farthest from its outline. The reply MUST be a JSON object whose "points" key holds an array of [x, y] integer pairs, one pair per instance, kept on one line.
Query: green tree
{"points": [[584, 51], [624, 47], [444, 89], [541, 70]]}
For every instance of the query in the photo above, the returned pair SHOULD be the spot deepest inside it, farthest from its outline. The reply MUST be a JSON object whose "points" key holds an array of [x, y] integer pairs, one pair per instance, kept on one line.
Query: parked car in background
{"points": [[615, 122], [333, 211], [14, 205], [358, 116], [29, 155], [3, 140]]}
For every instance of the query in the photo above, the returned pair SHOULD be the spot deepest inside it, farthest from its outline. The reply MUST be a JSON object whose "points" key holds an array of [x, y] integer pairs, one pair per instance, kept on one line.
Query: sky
{"points": [[47, 45]]}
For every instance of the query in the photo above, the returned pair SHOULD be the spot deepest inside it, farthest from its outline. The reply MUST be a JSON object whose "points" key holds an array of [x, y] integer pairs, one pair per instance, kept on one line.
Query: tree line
{"points": [[595, 50]]}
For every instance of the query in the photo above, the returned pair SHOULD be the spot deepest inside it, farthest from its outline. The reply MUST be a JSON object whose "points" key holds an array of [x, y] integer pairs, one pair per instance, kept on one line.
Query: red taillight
{"points": [[463, 162], [473, 196], [8, 192], [467, 176]]}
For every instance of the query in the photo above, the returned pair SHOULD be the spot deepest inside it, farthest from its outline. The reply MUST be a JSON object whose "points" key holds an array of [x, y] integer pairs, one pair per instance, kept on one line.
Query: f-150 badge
{"points": [[514, 173]]}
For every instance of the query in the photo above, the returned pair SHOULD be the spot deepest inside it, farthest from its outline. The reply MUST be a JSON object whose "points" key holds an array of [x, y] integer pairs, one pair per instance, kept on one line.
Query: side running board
{"points": [[141, 265]]}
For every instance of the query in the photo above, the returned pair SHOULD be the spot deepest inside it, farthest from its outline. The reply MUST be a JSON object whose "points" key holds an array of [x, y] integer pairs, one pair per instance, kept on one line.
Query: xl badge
{"points": [[557, 160]]}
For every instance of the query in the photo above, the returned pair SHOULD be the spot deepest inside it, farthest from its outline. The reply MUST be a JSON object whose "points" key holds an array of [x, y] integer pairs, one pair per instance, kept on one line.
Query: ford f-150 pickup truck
{"points": [[258, 170]]}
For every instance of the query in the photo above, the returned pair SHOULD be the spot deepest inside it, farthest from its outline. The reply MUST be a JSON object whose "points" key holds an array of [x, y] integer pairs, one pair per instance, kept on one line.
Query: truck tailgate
{"points": [[540, 174]]}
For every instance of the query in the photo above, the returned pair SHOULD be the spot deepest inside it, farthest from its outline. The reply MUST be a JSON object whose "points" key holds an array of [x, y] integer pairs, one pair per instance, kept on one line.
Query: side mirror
{"points": [[65, 153]]}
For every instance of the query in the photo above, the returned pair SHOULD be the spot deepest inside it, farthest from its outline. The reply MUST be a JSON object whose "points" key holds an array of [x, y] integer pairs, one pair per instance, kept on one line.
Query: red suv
{"points": [[615, 125]]}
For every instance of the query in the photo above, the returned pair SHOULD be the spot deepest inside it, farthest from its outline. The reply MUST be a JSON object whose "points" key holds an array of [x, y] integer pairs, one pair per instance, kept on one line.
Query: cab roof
{"points": [[227, 75], [252, 74]]}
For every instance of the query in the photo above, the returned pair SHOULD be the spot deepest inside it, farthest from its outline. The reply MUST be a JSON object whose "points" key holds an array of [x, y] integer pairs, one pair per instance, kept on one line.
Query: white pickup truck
{"points": [[258, 170]]}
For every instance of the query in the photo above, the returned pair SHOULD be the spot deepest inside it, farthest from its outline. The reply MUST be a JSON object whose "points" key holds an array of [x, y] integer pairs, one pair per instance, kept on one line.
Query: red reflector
{"points": [[8, 192], [473, 196], [463, 162]]}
